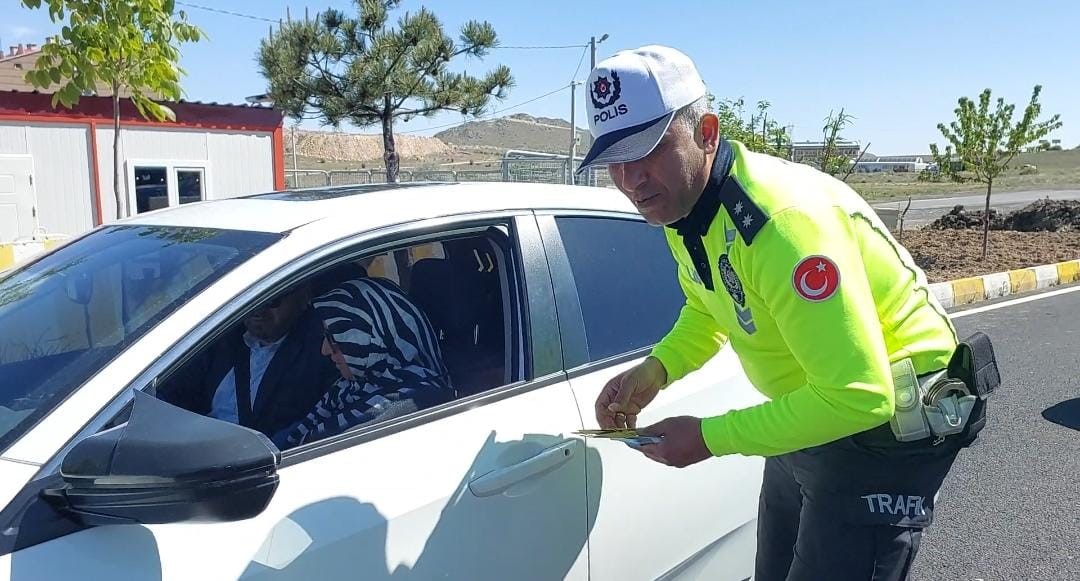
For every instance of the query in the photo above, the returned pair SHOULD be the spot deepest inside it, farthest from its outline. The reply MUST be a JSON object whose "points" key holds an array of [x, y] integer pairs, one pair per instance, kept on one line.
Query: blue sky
{"points": [[898, 67]]}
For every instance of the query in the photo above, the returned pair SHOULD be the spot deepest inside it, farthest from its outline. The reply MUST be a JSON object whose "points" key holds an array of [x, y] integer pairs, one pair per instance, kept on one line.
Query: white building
{"points": [[811, 151], [56, 165], [890, 166], [905, 158]]}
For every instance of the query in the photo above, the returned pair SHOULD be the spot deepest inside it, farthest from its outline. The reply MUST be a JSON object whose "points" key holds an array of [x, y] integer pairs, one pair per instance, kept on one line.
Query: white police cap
{"points": [[632, 97]]}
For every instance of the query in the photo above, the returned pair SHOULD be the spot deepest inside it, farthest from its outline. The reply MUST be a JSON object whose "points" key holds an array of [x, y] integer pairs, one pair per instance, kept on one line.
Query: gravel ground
{"points": [[951, 254]]}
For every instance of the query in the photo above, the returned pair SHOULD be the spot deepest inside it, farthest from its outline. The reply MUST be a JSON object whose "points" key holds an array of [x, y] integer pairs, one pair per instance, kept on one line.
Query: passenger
{"points": [[387, 353]]}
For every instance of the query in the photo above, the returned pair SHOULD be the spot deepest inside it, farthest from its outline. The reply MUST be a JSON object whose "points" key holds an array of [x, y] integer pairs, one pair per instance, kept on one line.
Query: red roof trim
{"points": [[38, 106], [26, 52]]}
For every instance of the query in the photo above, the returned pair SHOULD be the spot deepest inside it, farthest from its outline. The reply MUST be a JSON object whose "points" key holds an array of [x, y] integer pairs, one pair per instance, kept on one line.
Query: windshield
{"points": [[66, 316]]}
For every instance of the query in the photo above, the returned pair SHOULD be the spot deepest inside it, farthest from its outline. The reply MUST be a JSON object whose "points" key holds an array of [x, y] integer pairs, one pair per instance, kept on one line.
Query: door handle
{"points": [[497, 481]]}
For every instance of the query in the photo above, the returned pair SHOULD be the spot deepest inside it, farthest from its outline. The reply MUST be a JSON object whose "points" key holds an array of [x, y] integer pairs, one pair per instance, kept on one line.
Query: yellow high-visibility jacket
{"points": [[815, 295]]}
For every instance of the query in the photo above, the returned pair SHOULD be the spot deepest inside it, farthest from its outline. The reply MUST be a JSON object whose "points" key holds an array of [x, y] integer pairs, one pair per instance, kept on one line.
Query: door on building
{"points": [[16, 197]]}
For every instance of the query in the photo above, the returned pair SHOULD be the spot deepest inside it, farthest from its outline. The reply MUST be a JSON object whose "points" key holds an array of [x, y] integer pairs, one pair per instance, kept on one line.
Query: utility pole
{"points": [[571, 178], [593, 41], [294, 146], [592, 50]]}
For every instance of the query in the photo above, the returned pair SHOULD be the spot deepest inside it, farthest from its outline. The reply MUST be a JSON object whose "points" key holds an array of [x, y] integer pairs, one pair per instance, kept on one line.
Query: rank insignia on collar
{"points": [[731, 281], [747, 216]]}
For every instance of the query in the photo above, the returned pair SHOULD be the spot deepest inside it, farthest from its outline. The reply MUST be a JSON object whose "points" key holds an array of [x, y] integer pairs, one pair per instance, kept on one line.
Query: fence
{"points": [[543, 171]]}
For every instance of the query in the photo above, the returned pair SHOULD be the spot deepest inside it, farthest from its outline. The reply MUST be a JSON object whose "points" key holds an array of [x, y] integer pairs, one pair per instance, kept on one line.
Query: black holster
{"points": [[975, 363]]}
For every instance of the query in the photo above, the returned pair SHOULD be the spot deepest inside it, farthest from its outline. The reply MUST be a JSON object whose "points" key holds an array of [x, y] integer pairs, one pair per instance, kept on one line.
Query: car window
{"points": [[67, 315], [364, 341], [626, 280]]}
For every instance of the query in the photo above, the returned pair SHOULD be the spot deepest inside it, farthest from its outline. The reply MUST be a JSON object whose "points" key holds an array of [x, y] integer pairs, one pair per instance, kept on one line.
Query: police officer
{"points": [[830, 317]]}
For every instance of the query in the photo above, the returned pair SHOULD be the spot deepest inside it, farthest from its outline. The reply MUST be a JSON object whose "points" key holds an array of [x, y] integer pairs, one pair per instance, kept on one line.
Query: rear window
{"points": [[66, 316]]}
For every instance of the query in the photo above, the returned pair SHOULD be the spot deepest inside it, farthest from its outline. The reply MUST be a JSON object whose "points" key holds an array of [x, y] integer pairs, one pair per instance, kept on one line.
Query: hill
{"points": [[337, 146], [519, 131], [467, 144]]}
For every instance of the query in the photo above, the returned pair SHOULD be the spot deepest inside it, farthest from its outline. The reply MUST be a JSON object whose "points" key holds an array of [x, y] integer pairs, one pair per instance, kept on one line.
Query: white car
{"points": [[542, 292]]}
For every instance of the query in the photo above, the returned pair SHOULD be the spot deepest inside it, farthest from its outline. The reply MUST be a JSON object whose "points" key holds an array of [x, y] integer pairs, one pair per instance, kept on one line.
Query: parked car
{"points": [[539, 294]]}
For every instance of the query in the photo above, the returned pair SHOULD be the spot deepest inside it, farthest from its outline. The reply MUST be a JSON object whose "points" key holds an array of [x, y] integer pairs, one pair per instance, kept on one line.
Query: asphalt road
{"points": [[1010, 508], [925, 211]]}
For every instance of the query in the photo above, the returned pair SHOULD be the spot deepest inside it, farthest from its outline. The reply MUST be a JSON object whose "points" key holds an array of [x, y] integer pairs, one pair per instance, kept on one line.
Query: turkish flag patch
{"points": [[816, 278]]}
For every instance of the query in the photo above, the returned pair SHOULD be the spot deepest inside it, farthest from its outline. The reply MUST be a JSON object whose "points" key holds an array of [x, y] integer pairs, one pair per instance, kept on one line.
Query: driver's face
{"points": [[274, 320]]}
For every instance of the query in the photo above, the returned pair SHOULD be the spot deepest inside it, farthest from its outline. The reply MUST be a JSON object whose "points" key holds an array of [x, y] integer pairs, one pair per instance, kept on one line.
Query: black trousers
{"points": [[853, 509]]}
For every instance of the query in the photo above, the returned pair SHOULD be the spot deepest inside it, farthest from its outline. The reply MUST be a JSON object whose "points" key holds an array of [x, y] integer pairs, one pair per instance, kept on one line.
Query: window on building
{"points": [[189, 185], [151, 188], [156, 184]]}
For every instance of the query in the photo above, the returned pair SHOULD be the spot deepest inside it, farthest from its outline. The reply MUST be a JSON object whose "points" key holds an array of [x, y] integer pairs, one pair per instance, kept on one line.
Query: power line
{"points": [[539, 47], [580, 60], [230, 13], [272, 21], [496, 112]]}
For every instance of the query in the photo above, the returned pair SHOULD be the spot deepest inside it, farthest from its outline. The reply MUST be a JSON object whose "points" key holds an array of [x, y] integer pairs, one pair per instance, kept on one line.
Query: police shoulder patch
{"points": [[748, 217], [731, 281], [816, 278]]}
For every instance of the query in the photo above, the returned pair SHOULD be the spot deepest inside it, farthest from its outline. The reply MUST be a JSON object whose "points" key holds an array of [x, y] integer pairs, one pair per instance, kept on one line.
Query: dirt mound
{"points": [[1046, 216], [1039, 216], [358, 147], [960, 219]]}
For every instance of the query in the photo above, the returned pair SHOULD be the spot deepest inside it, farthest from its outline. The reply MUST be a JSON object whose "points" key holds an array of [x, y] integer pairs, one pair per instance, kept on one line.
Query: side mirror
{"points": [[167, 465]]}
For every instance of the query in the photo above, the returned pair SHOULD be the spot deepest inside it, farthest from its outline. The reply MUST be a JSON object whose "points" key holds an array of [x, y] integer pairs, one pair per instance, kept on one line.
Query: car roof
{"points": [[375, 205]]}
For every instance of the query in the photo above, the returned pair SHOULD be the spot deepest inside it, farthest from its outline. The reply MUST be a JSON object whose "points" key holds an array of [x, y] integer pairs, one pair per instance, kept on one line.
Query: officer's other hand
{"points": [[682, 443], [626, 394]]}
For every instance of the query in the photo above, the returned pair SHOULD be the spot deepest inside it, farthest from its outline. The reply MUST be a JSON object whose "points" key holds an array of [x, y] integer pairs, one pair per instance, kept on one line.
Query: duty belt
{"points": [[947, 402], [931, 405]]}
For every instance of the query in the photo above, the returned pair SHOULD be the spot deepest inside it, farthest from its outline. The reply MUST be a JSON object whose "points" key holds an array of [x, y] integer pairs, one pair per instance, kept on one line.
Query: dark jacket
{"points": [[297, 377]]}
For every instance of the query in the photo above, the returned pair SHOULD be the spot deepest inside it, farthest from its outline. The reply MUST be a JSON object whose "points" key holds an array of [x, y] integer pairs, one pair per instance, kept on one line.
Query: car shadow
{"points": [[313, 541], [1066, 413]]}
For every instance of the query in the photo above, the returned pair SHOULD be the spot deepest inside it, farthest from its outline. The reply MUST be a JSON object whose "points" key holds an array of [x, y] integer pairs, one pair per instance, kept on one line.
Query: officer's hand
{"points": [[624, 396], [682, 445]]}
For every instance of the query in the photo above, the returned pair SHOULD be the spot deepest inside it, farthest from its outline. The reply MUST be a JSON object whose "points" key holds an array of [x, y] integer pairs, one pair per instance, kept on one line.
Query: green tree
{"points": [[831, 162], [758, 133], [982, 142], [336, 68], [130, 45]]}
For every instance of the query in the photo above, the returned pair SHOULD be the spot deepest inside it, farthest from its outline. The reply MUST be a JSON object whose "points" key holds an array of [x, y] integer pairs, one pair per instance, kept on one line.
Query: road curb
{"points": [[966, 291]]}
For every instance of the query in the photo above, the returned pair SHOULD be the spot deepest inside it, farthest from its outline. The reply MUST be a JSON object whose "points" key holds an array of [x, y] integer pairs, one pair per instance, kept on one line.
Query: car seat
{"points": [[335, 277], [462, 296]]}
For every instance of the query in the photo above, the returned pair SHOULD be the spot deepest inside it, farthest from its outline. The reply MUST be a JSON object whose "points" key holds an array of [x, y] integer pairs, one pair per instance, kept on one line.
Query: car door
{"points": [[488, 486], [617, 295]]}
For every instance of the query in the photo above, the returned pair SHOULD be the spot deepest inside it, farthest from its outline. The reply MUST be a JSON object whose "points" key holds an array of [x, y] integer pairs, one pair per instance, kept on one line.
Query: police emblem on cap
{"points": [[731, 281], [605, 92]]}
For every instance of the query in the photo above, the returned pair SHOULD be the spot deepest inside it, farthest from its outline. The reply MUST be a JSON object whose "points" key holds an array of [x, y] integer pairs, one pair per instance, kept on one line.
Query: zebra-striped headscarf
{"points": [[392, 350]]}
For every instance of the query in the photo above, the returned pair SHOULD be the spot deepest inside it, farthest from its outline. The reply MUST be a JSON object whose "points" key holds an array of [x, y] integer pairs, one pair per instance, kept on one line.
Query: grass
{"points": [[1057, 170]]}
